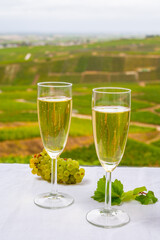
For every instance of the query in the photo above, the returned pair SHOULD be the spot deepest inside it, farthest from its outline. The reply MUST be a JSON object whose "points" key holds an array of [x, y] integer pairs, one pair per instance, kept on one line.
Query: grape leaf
{"points": [[117, 188], [139, 189], [119, 196], [131, 195], [117, 191], [146, 199], [99, 194]]}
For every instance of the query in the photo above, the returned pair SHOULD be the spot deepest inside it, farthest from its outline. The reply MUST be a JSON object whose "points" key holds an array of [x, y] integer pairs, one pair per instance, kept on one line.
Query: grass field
{"points": [[79, 127], [136, 154], [132, 63]]}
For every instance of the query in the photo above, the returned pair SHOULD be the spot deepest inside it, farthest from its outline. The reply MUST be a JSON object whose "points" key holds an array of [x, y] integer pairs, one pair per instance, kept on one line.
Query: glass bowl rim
{"points": [[51, 84], [100, 90]]}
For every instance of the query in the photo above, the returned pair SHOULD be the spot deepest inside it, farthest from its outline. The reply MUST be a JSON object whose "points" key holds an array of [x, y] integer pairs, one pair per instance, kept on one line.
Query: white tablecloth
{"points": [[21, 219]]}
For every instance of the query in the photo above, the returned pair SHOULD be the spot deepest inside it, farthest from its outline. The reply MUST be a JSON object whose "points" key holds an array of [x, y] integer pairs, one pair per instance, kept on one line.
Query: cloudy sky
{"points": [[80, 16]]}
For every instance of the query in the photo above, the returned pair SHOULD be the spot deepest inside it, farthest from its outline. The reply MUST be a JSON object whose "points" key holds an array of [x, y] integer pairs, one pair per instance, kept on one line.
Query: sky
{"points": [[80, 16]]}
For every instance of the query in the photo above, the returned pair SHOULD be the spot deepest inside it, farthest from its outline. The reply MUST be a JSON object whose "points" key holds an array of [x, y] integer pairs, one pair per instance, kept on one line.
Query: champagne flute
{"points": [[54, 114], [110, 118]]}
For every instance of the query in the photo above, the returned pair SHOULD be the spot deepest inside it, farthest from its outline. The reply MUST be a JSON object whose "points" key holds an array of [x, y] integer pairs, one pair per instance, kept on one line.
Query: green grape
{"points": [[65, 179], [75, 164], [60, 170], [60, 176], [47, 177], [77, 174], [39, 173], [32, 160], [67, 169], [70, 166], [42, 167], [63, 164], [31, 165], [36, 160], [66, 173], [48, 172], [82, 172], [78, 177], [69, 160], [33, 171], [73, 172], [72, 179]]}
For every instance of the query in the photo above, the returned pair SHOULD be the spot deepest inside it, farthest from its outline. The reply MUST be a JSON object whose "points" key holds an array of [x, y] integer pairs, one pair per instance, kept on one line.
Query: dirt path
{"points": [[157, 127], [147, 137], [131, 123], [82, 116], [151, 109], [155, 138], [17, 124], [32, 146]]}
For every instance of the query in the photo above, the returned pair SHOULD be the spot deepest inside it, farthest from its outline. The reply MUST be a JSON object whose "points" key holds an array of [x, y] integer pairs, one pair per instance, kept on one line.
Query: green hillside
{"points": [[130, 63], [112, 61]]}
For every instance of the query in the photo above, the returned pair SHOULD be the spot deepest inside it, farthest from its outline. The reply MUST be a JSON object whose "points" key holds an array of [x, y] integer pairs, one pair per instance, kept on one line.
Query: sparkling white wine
{"points": [[110, 128], [54, 119]]}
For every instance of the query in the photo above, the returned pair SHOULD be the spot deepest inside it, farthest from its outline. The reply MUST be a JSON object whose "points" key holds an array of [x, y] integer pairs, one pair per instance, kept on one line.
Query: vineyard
{"points": [[132, 63]]}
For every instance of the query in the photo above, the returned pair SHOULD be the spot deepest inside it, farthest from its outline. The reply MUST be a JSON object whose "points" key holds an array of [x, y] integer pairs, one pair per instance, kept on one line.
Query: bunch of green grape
{"points": [[68, 170]]}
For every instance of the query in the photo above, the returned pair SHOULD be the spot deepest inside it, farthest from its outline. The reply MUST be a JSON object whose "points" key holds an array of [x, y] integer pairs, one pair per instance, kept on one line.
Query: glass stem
{"points": [[54, 176], [107, 205]]}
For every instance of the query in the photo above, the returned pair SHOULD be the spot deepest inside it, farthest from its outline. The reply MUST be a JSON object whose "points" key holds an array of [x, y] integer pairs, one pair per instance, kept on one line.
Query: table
{"points": [[21, 219]]}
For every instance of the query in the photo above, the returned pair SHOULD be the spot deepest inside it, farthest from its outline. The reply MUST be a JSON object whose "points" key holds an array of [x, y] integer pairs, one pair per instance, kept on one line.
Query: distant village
{"points": [[12, 41], [16, 40]]}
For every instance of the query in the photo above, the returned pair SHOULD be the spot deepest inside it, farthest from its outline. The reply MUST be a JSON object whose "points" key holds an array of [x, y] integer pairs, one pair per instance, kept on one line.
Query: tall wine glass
{"points": [[110, 118], [54, 114]]}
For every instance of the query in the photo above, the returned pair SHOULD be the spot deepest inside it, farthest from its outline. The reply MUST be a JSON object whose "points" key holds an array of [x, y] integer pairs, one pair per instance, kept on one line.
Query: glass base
{"points": [[108, 218], [53, 201]]}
